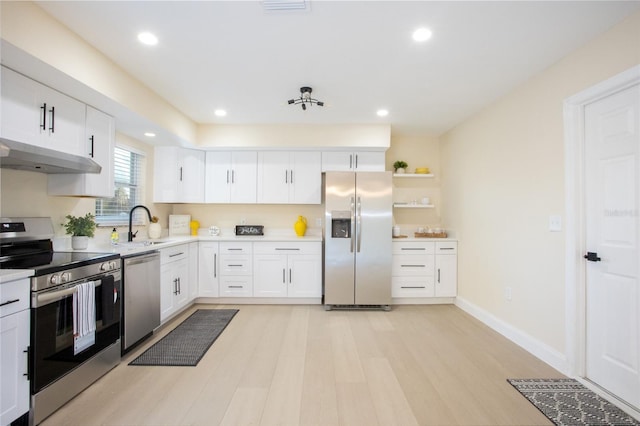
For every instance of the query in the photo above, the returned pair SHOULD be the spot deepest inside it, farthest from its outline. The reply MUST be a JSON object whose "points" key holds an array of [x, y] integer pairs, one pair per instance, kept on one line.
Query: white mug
{"points": [[396, 231], [425, 200]]}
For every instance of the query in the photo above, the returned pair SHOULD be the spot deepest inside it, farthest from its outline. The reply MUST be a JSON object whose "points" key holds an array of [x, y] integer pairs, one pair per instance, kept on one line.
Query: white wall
{"points": [[503, 175]]}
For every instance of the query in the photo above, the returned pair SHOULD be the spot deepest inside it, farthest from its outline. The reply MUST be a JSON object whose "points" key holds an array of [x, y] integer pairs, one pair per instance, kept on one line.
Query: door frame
{"points": [[575, 213]]}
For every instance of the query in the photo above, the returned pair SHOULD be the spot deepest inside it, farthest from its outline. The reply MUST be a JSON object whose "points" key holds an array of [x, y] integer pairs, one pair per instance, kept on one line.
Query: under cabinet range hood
{"points": [[22, 156]]}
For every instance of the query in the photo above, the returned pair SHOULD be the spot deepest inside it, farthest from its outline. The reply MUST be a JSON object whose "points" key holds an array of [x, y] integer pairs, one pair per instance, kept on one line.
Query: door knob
{"points": [[592, 257]]}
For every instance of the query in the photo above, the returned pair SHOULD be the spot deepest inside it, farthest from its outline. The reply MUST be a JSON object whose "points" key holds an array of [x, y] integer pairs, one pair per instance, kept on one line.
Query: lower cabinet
{"points": [[14, 344], [287, 269], [174, 280], [208, 269], [236, 269], [424, 269]]}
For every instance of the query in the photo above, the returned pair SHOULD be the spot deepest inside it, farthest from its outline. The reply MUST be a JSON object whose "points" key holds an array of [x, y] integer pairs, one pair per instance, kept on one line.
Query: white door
{"points": [[612, 176]]}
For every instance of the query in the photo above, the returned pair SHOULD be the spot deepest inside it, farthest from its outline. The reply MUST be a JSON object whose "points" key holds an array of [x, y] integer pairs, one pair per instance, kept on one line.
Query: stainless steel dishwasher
{"points": [[141, 288]]}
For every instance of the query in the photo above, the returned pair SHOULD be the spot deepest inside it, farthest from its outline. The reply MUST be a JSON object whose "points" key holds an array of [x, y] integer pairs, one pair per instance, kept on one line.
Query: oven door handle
{"points": [[45, 298]]}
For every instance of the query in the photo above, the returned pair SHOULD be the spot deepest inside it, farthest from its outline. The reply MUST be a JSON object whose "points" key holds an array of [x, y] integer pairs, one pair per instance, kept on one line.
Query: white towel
{"points": [[84, 317]]}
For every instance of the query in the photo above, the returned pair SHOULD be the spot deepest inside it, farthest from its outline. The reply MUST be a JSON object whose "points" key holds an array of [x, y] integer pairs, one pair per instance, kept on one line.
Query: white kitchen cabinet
{"points": [[35, 114], [357, 161], [446, 269], [231, 177], [178, 175], [208, 269], [14, 345], [287, 269], [194, 260], [174, 280], [236, 269], [424, 269], [99, 146], [289, 177]]}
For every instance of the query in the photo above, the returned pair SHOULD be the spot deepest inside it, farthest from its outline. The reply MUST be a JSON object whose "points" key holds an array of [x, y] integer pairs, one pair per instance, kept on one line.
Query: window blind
{"points": [[129, 190]]}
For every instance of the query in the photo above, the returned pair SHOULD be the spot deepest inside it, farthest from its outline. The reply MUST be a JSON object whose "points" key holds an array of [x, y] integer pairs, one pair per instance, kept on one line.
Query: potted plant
{"points": [[400, 166], [155, 230], [80, 229]]}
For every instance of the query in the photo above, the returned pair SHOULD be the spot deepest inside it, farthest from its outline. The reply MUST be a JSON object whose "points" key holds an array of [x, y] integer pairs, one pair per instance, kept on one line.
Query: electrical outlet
{"points": [[243, 221], [555, 223], [319, 222], [507, 293]]}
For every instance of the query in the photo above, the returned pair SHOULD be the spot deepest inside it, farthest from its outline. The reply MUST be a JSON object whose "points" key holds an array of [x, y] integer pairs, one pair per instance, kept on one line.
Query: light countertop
{"points": [[7, 275]]}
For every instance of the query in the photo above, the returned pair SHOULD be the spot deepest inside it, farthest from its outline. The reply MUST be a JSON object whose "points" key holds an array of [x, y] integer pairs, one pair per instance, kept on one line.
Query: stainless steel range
{"points": [[75, 312]]}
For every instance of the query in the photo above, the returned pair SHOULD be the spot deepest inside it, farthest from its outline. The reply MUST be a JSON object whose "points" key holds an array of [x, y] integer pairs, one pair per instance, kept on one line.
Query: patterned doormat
{"points": [[186, 344], [567, 402]]}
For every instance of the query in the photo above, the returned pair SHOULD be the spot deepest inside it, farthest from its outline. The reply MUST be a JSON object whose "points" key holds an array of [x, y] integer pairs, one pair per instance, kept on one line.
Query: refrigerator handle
{"points": [[359, 224], [353, 222]]}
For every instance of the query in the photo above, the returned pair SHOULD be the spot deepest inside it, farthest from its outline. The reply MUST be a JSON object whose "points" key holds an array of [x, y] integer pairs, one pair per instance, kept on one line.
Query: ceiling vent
{"points": [[284, 5]]}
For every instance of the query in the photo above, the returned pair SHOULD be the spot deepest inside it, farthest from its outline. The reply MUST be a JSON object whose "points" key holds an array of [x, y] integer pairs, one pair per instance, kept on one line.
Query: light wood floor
{"points": [[301, 365]]}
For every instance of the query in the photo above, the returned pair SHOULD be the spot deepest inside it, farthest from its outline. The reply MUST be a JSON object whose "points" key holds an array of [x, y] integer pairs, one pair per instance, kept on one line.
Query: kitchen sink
{"points": [[147, 243]]}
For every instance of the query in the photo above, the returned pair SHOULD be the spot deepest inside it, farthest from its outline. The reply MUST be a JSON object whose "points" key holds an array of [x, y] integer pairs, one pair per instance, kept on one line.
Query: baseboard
{"points": [[537, 348]]}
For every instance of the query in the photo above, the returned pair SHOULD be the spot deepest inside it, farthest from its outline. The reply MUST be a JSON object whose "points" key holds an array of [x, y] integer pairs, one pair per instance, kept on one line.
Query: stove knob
{"points": [[55, 279], [114, 264], [105, 266], [65, 277]]}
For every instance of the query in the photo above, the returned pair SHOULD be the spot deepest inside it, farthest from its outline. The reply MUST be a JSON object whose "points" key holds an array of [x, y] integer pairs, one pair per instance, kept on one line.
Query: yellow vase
{"points": [[300, 226]]}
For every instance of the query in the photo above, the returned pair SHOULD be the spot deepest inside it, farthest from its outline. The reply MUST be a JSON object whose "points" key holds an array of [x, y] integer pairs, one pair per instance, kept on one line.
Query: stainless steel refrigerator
{"points": [[357, 243]]}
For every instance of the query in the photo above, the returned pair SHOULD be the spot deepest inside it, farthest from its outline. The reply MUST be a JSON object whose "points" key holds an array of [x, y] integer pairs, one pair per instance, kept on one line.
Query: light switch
{"points": [[555, 223]]}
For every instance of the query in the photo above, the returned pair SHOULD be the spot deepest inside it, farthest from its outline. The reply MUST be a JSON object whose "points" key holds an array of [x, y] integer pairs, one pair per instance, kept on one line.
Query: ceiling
{"points": [[358, 56]]}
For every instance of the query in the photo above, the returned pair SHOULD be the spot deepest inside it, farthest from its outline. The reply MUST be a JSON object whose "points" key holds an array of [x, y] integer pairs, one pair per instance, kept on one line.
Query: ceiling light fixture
{"points": [[150, 134], [305, 99], [220, 113], [147, 38], [422, 34], [382, 112]]}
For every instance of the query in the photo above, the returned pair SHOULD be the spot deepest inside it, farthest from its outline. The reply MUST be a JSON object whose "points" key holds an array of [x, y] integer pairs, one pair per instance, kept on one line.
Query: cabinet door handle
{"points": [[286, 176], [356, 161], [283, 276], [175, 286], [291, 176], [28, 352], [8, 302], [289, 275], [180, 174], [91, 152], [438, 275], [215, 265], [227, 176], [44, 116], [233, 176], [53, 119], [350, 161], [179, 286]]}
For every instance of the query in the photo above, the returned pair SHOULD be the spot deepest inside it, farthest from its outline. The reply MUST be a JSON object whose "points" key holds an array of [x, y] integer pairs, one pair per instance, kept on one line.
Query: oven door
{"points": [[52, 340]]}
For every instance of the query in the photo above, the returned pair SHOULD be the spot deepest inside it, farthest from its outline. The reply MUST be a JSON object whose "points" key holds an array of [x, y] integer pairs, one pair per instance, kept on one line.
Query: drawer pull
{"points": [[446, 248], [410, 286], [277, 248], [235, 249], [238, 266], [235, 286], [413, 266], [8, 302], [413, 248], [176, 254]]}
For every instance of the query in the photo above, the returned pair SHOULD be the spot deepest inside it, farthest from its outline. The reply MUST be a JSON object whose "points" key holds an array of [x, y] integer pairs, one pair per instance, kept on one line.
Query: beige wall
{"points": [[503, 175]]}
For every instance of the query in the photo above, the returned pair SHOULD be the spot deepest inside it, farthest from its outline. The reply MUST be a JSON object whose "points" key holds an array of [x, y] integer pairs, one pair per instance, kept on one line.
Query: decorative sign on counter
{"points": [[179, 224], [249, 230]]}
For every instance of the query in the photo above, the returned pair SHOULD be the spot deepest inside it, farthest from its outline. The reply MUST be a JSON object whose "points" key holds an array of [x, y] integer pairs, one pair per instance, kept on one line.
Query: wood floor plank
{"points": [[346, 359], [245, 407]]}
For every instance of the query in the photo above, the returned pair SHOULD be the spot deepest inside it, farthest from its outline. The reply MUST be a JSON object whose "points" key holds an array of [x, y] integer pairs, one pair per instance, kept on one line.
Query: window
{"points": [[129, 189]]}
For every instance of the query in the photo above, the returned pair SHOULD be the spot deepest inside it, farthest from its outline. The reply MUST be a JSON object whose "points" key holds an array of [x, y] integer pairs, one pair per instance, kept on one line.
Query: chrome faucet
{"points": [[131, 235]]}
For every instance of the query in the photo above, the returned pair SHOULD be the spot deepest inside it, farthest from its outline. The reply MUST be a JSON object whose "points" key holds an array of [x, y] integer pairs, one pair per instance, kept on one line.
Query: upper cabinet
{"points": [[231, 177], [289, 177], [178, 175], [358, 161], [99, 146], [35, 114]]}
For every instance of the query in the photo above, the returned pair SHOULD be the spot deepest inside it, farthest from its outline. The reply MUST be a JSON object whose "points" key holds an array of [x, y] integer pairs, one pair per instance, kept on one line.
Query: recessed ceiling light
{"points": [[147, 38], [382, 113], [422, 34], [150, 134], [220, 113]]}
